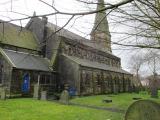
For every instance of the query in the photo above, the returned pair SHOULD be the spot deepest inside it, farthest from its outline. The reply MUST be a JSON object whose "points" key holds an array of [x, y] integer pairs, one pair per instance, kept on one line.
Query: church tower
{"points": [[100, 33]]}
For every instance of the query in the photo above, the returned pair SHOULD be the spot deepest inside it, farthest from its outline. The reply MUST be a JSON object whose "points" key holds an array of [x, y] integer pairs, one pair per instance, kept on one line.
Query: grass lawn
{"points": [[121, 101], [28, 109]]}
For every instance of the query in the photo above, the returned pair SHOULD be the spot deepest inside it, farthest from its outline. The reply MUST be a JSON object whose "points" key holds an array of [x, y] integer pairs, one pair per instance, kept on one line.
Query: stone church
{"points": [[36, 54]]}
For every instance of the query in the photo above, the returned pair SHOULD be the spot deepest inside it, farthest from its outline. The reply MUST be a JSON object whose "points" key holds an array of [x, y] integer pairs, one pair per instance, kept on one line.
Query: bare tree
{"points": [[135, 63], [152, 59], [144, 19], [146, 12]]}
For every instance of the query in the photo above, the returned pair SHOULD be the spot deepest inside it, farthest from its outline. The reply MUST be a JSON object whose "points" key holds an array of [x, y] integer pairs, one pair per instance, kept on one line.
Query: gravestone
{"points": [[64, 98], [154, 87], [3, 93], [154, 92], [36, 92], [143, 110], [153, 83], [43, 95]]}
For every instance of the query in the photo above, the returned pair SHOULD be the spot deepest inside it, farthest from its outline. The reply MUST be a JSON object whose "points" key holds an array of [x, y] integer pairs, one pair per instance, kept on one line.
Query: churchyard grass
{"points": [[119, 101], [29, 109]]}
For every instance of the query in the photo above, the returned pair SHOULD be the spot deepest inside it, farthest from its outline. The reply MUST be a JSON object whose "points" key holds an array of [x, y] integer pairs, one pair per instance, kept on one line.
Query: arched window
{"points": [[87, 79]]}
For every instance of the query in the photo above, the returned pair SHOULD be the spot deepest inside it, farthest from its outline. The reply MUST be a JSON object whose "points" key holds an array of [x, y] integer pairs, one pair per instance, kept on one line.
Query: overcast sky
{"points": [[81, 25]]}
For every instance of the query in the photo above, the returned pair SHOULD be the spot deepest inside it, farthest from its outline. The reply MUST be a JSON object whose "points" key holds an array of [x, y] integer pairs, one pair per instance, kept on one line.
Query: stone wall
{"points": [[68, 73], [84, 53], [94, 81], [5, 74], [47, 81]]}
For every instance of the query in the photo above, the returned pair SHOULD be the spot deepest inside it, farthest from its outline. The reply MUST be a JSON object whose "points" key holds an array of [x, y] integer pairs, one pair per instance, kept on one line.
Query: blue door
{"points": [[26, 82]]}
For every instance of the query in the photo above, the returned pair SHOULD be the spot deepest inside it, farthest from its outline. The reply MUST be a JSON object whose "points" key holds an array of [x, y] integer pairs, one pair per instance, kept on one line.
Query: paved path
{"points": [[99, 108]]}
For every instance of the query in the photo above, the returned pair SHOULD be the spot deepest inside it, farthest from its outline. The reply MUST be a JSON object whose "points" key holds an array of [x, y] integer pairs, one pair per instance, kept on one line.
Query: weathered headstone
{"points": [[36, 92], [154, 92], [154, 86], [143, 110], [43, 95], [3, 93], [64, 98]]}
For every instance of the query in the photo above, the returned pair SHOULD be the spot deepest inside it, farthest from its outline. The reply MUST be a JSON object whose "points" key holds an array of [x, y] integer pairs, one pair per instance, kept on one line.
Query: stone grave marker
{"points": [[153, 85], [43, 95], [143, 110], [36, 92], [154, 92], [64, 98]]}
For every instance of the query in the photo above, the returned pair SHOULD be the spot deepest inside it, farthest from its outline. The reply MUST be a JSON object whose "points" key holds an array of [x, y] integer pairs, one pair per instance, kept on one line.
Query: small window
{"points": [[87, 79]]}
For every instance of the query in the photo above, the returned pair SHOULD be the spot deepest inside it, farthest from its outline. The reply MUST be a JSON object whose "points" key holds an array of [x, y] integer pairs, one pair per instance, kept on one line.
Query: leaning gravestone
{"points": [[64, 98], [143, 110]]}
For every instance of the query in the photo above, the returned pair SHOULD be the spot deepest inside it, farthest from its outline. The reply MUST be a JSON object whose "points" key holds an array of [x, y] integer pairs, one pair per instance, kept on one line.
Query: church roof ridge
{"points": [[92, 64], [75, 37]]}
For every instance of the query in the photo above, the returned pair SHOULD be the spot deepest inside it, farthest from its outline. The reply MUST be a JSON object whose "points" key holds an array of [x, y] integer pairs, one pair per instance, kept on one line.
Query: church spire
{"points": [[100, 32]]}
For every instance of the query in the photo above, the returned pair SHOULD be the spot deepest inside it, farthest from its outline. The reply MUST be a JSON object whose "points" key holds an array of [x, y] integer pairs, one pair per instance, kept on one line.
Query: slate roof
{"points": [[11, 34], [70, 35], [92, 64], [21, 60]]}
